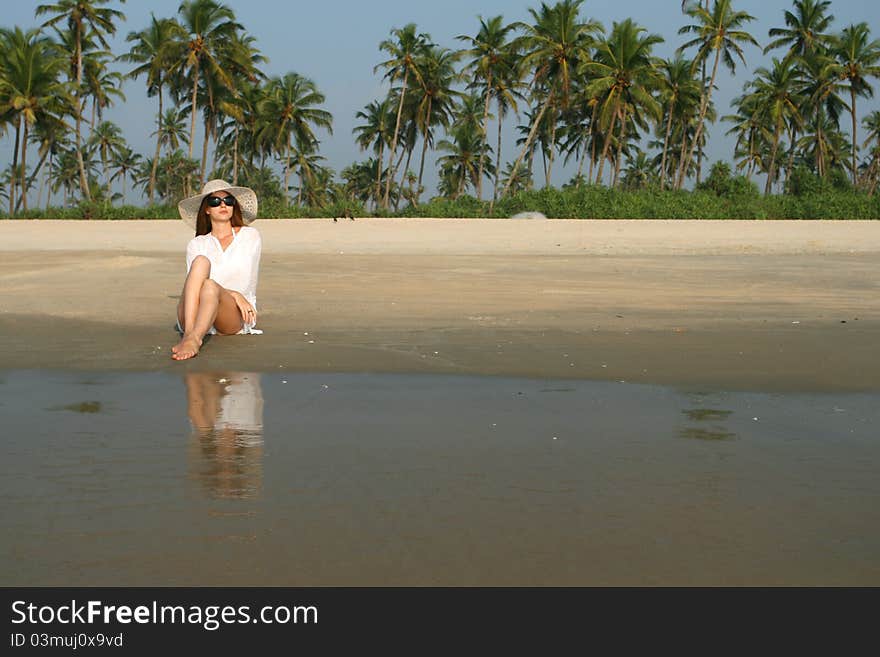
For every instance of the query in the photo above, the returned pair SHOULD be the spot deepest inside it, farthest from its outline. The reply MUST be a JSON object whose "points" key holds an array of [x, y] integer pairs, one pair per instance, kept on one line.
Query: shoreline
{"points": [[732, 305]]}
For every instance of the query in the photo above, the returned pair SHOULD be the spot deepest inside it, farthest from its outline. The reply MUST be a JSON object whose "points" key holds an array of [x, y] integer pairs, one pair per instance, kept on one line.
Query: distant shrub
{"points": [[721, 196]]}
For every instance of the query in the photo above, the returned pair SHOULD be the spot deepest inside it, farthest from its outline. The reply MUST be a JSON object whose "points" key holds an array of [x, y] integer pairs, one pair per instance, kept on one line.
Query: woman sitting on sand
{"points": [[222, 263]]}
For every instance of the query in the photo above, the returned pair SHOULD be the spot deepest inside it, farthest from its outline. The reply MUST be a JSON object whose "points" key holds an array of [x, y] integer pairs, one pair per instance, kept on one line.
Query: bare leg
{"points": [[203, 304], [188, 309]]}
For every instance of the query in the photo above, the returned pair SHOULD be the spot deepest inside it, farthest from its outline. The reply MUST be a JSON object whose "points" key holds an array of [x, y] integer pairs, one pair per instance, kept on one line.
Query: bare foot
{"points": [[188, 347]]}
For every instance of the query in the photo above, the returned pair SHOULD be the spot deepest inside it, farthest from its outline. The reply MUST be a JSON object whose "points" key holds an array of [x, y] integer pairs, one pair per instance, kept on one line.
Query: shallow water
{"points": [[320, 479]]}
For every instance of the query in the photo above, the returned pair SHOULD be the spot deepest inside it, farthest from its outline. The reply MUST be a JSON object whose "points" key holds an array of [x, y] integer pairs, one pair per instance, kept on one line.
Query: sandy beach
{"points": [[763, 305]]}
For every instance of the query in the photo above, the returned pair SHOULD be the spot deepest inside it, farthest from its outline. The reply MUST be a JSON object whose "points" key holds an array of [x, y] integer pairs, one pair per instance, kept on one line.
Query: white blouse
{"points": [[237, 268]]}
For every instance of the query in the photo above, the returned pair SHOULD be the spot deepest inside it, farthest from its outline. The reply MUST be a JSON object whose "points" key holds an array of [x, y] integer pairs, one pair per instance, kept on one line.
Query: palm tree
{"points": [[717, 30], [461, 164], [124, 161], [172, 131], [516, 179], [751, 133], [291, 102], [358, 180], [624, 74], [51, 135], [232, 104], [639, 172], [404, 51], [506, 90], [107, 139], [822, 82], [65, 173], [156, 51], [860, 59], [101, 84], [680, 94], [375, 134], [434, 97], [210, 27], [241, 146], [82, 16], [806, 31], [553, 45], [490, 61], [777, 101], [871, 124], [29, 93]]}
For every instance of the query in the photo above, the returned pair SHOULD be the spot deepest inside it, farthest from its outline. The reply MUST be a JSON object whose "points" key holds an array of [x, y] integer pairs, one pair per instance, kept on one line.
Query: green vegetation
{"points": [[738, 199], [636, 125]]}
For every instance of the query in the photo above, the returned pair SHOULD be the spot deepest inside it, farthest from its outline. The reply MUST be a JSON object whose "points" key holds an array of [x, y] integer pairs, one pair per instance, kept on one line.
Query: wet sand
{"points": [[249, 479], [751, 305]]}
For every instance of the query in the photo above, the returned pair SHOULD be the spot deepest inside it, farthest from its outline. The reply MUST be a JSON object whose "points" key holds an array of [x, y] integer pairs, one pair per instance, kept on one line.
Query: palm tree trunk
{"points": [[24, 187], [421, 169], [409, 153], [703, 81], [156, 157], [852, 93], [394, 139], [544, 164], [194, 109], [665, 150], [581, 160], [235, 157], [497, 167], [104, 170], [790, 164], [682, 155], [287, 173], [528, 143], [396, 168], [14, 172], [214, 152], [531, 167], [552, 150], [592, 154], [771, 168], [485, 140], [204, 153], [42, 183], [425, 145], [704, 107], [605, 148], [621, 139], [83, 180], [379, 162], [49, 184]]}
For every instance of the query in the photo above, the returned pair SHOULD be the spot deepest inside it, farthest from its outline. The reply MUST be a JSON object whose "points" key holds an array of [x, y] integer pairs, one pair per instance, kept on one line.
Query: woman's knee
{"points": [[201, 264], [210, 288]]}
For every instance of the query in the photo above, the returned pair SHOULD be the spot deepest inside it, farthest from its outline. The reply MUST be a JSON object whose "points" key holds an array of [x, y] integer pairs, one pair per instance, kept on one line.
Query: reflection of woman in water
{"points": [[226, 413], [222, 264]]}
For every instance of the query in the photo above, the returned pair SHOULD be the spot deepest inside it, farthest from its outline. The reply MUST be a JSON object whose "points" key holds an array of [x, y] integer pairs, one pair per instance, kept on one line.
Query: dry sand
{"points": [[764, 305]]}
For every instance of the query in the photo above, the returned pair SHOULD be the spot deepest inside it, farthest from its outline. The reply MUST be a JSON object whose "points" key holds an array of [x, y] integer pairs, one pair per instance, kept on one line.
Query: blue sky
{"points": [[336, 44]]}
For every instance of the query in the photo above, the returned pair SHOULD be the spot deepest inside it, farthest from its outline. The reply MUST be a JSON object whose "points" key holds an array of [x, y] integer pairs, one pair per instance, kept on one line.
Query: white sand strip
{"points": [[465, 236]]}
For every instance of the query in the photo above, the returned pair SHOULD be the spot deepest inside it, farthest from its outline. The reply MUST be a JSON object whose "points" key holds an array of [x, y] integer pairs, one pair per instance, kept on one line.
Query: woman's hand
{"points": [[248, 312]]}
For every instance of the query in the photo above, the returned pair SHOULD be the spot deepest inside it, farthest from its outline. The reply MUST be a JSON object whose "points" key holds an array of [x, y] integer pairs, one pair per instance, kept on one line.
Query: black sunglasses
{"points": [[215, 201]]}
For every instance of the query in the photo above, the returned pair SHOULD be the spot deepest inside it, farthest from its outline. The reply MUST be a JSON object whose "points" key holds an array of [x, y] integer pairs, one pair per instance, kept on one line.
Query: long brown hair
{"points": [[203, 219]]}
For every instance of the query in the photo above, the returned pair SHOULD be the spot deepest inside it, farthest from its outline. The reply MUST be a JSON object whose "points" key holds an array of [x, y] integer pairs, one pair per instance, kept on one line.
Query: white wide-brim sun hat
{"points": [[246, 197]]}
